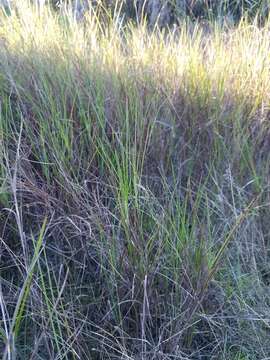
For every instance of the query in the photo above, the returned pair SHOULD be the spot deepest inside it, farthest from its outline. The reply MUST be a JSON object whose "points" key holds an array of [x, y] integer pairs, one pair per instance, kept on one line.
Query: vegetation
{"points": [[134, 188], [168, 12]]}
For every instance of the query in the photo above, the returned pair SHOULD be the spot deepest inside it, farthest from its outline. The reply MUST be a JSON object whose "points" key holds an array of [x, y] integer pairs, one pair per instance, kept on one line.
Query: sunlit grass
{"points": [[147, 151]]}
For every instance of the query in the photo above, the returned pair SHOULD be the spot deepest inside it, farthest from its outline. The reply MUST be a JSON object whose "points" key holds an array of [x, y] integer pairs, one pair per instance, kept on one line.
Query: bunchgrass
{"points": [[147, 154]]}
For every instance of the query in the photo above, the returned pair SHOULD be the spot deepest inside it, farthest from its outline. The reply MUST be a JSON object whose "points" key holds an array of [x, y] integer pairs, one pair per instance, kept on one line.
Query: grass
{"points": [[147, 155]]}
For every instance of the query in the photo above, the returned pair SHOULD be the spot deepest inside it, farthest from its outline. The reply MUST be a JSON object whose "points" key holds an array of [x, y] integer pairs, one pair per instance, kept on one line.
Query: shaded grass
{"points": [[148, 154]]}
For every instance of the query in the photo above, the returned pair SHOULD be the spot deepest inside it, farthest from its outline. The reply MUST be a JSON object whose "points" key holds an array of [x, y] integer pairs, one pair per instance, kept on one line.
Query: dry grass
{"points": [[134, 175]]}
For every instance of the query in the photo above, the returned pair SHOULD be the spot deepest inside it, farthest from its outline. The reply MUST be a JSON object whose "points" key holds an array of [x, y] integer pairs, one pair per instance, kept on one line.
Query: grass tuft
{"points": [[148, 152]]}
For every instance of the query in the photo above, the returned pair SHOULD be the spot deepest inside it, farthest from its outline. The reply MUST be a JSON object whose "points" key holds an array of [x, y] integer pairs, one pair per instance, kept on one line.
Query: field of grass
{"points": [[134, 189]]}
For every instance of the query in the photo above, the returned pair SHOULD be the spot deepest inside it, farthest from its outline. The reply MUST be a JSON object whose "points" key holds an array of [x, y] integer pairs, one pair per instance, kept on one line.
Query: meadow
{"points": [[134, 188]]}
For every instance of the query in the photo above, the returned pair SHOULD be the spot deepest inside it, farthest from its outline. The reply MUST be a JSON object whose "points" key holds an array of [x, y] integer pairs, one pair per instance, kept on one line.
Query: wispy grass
{"points": [[148, 152]]}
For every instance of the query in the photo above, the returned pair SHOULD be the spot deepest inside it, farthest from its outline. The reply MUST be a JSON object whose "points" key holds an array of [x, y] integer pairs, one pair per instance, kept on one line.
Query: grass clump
{"points": [[147, 155]]}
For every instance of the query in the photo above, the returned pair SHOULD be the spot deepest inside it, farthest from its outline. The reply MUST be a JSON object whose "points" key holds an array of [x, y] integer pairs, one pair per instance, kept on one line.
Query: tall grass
{"points": [[147, 153]]}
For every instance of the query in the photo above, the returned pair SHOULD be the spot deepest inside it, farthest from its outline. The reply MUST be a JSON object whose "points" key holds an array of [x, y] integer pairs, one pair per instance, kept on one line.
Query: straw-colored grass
{"points": [[134, 173]]}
